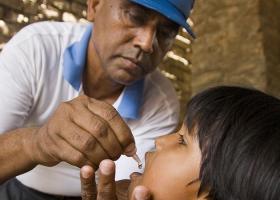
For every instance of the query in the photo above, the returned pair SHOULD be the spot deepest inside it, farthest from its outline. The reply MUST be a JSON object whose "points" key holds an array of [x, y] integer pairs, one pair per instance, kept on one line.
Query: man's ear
{"points": [[92, 6]]}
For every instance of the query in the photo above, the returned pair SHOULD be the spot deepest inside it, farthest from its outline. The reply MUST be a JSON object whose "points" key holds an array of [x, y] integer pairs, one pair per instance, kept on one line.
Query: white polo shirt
{"points": [[42, 66]]}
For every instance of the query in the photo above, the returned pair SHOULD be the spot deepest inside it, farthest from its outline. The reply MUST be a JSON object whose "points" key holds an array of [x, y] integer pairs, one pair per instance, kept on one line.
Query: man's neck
{"points": [[96, 83], [99, 87]]}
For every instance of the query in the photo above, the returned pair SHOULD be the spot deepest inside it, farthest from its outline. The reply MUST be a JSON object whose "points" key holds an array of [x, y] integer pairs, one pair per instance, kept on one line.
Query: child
{"points": [[227, 149]]}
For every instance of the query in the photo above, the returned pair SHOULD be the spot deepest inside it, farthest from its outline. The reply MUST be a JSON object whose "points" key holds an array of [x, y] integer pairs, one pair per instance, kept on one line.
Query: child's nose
{"points": [[166, 141]]}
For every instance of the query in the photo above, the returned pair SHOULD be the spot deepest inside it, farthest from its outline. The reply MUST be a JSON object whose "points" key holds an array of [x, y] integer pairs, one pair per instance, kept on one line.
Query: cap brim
{"points": [[168, 10]]}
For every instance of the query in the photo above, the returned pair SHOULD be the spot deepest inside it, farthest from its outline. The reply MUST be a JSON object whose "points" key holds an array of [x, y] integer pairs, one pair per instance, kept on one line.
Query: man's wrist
{"points": [[29, 145]]}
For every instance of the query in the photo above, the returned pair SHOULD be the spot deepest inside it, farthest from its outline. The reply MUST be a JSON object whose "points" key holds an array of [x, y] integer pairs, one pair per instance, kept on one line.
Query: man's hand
{"points": [[81, 132], [107, 188]]}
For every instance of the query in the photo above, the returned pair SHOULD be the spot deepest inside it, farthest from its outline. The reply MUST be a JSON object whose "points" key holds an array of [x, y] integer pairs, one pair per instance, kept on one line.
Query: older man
{"points": [[60, 83]]}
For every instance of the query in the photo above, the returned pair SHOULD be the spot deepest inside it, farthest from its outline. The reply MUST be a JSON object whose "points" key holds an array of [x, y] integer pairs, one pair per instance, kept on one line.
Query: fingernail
{"points": [[130, 149], [141, 193], [107, 167], [86, 172]]}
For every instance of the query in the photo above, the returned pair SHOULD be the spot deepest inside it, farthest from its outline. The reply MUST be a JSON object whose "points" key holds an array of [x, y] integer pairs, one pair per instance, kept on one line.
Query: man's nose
{"points": [[166, 141], [146, 39]]}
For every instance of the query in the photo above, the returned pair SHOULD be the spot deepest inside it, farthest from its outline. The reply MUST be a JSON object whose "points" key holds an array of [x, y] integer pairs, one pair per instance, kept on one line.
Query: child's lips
{"points": [[135, 175], [148, 156]]}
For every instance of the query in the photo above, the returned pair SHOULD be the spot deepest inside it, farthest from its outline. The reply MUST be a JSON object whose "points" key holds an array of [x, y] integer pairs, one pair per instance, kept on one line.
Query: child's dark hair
{"points": [[239, 135]]}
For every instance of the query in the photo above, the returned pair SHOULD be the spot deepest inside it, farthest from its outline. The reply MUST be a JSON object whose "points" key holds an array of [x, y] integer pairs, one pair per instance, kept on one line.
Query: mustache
{"points": [[134, 54], [139, 58]]}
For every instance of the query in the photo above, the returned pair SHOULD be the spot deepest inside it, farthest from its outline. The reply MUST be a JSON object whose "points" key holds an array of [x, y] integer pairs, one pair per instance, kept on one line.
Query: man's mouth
{"points": [[132, 63]]}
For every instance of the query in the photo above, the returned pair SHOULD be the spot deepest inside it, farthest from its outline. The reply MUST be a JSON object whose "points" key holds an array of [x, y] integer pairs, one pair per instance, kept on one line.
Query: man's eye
{"points": [[181, 140], [134, 17], [167, 33]]}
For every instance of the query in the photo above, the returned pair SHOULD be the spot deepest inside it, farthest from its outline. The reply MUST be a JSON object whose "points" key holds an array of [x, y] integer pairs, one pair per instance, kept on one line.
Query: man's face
{"points": [[130, 40], [172, 171]]}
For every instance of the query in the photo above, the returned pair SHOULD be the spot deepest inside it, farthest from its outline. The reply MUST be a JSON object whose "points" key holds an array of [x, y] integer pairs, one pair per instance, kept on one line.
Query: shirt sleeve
{"points": [[16, 83]]}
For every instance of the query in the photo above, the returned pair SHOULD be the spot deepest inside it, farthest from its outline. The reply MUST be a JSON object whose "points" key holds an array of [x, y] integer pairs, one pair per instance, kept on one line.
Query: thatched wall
{"points": [[238, 42]]}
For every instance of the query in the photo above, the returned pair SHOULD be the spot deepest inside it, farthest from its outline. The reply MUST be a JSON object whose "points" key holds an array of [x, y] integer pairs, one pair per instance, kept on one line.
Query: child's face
{"points": [[172, 171]]}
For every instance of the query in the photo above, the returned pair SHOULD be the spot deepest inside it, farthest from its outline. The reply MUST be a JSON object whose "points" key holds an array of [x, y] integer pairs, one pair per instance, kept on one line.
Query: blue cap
{"points": [[176, 10]]}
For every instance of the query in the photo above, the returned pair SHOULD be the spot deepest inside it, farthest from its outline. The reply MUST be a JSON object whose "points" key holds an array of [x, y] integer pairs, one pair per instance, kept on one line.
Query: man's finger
{"points": [[96, 129], [119, 127], [88, 186], [141, 193], [136, 190], [106, 185], [122, 189], [84, 143]]}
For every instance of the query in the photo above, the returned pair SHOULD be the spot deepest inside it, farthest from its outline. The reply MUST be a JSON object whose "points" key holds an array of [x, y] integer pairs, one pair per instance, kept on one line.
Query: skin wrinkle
{"points": [[137, 53], [128, 41]]}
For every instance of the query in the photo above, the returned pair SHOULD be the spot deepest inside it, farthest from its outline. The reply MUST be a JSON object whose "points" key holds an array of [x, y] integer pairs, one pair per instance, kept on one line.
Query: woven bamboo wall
{"points": [[238, 43]]}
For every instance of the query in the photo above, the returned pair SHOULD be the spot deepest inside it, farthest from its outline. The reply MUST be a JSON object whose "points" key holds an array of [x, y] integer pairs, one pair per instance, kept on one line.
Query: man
{"points": [[89, 68]]}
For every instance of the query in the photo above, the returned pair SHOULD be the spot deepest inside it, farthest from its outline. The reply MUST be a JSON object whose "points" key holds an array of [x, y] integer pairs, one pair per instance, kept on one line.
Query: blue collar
{"points": [[73, 66]]}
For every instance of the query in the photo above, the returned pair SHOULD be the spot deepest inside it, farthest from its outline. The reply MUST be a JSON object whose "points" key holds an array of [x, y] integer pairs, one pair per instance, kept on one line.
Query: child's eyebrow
{"points": [[192, 182]]}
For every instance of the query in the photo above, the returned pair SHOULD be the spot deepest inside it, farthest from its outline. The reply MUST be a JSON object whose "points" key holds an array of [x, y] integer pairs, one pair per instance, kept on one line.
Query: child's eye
{"points": [[181, 140]]}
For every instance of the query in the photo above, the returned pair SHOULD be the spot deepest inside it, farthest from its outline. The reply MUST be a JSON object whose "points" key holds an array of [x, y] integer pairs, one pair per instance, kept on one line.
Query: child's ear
{"points": [[92, 7]]}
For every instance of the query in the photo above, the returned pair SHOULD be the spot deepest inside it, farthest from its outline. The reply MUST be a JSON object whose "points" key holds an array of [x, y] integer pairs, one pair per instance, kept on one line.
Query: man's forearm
{"points": [[15, 153]]}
